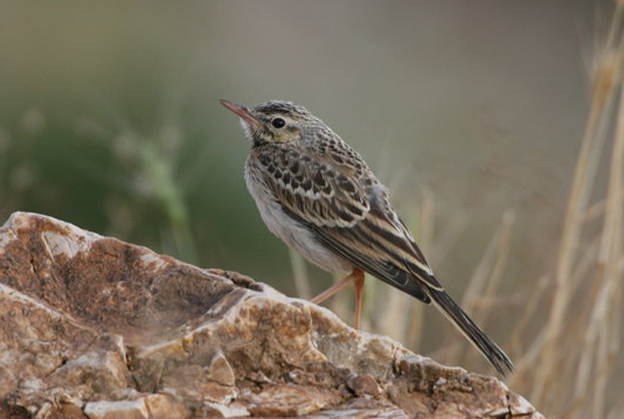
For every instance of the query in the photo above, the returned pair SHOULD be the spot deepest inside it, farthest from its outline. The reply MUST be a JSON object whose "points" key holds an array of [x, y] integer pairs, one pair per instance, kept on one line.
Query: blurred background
{"points": [[472, 113]]}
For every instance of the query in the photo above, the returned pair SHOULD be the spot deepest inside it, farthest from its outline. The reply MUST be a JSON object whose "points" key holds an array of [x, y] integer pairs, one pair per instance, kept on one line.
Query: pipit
{"points": [[318, 195]]}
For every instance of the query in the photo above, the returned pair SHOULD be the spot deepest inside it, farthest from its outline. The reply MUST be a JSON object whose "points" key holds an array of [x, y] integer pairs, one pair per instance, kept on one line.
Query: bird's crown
{"points": [[274, 107]]}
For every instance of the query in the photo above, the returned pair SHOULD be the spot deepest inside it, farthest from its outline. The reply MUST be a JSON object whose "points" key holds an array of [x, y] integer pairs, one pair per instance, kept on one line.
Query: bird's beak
{"points": [[243, 112]]}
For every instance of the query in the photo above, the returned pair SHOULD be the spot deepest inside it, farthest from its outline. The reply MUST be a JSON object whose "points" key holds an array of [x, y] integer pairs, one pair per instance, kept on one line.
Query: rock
{"points": [[362, 409], [163, 406], [91, 327], [125, 409], [365, 386], [216, 410], [220, 370], [288, 400]]}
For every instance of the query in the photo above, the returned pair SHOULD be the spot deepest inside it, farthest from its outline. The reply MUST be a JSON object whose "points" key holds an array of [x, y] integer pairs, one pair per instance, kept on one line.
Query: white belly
{"points": [[292, 232]]}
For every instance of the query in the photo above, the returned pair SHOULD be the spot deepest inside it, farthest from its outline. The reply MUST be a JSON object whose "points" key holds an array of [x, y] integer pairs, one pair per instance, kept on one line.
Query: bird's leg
{"points": [[357, 276], [337, 286], [359, 287]]}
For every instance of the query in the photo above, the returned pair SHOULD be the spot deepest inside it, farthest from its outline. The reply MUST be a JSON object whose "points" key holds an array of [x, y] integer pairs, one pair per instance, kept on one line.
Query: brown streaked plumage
{"points": [[318, 195]]}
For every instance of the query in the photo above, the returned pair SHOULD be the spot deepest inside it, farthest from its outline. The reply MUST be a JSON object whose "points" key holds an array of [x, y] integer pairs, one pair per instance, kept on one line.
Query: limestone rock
{"points": [[91, 327], [127, 409]]}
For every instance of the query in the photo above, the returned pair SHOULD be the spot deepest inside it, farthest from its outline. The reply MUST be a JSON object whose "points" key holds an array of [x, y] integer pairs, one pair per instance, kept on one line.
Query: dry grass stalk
{"points": [[566, 367], [394, 322], [481, 289], [606, 81], [599, 331], [415, 317]]}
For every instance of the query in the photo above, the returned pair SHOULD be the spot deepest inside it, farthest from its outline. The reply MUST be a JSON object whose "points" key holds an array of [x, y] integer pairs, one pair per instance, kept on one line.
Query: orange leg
{"points": [[359, 287], [358, 277]]}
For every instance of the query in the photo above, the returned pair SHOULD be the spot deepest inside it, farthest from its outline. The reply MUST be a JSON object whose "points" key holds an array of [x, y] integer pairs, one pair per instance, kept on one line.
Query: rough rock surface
{"points": [[91, 327]]}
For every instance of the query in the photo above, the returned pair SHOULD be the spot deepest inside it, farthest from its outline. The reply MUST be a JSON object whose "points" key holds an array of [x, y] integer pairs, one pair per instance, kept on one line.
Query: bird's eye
{"points": [[278, 123]]}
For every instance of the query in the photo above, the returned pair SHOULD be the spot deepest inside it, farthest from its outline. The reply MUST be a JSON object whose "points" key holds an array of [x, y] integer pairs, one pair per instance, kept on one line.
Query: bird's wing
{"points": [[350, 215]]}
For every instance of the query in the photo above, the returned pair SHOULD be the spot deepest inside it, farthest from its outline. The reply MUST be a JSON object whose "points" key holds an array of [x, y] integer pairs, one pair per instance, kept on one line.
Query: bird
{"points": [[318, 195]]}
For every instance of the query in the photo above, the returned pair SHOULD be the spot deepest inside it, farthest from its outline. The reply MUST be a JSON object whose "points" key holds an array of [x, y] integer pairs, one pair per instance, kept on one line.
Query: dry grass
{"points": [[567, 367]]}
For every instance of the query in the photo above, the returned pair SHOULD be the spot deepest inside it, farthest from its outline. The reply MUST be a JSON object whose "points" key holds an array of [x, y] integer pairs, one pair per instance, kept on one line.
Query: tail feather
{"points": [[470, 330]]}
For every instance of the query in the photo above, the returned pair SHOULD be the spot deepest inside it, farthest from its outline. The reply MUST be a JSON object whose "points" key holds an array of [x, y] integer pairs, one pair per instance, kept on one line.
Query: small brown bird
{"points": [[318, 195]]}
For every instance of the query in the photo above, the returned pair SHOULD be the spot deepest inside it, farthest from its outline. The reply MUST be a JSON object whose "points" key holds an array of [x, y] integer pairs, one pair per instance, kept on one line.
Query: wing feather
{"points": [[351, 215]]}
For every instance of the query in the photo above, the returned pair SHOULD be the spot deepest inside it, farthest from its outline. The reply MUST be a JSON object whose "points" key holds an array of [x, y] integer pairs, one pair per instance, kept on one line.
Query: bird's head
{"points": [[272, 122]]}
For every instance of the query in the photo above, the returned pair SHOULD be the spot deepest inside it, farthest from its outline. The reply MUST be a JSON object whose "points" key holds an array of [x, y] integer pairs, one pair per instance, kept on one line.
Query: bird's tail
{"points": [[470, 330]]}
